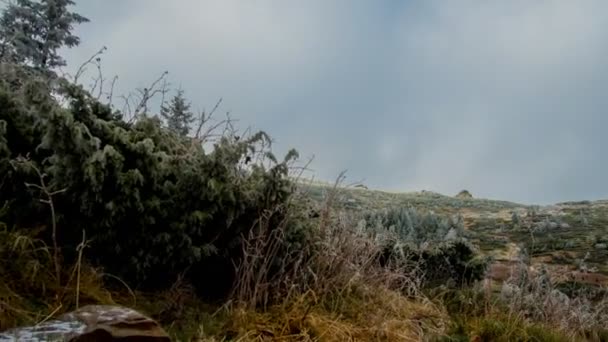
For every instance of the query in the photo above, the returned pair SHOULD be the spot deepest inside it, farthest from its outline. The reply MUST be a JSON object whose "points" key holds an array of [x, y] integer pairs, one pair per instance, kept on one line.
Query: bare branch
{"points": [[58, 192], [126, 108], [164, 92], [209, 133], [29, 185], [302, 169], [148, 93], [99, 79], [229, 129], [203, 119], [80, 248], [83, 66], [111, 93], [48, 199]]}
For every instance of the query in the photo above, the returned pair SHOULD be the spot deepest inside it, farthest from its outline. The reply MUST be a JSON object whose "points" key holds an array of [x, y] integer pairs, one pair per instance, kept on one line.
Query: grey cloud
{"points": [[505, 99]]}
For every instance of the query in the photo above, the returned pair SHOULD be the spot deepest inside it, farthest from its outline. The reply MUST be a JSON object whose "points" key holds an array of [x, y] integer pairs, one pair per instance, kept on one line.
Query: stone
{"points": [[93, 323], [451, 235], [464, 194]]}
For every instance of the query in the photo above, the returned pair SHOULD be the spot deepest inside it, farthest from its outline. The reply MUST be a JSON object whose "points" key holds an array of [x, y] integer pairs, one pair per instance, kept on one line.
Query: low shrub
{"points": [[155, 205], [431, 245]]}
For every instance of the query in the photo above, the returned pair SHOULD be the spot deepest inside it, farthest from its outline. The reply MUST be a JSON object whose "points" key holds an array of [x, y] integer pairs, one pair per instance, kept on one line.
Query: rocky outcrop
{"points": [[93, 323], [464, 194]]}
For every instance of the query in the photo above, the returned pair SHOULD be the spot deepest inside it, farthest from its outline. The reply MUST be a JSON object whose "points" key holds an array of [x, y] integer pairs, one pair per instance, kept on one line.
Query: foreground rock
{"points": [[93, 323]]}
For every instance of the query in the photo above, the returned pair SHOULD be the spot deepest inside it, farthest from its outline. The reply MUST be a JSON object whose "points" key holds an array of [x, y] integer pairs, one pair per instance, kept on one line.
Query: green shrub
{"points": [[415, 227], [153, 203], [432, 244], [451, 263]]}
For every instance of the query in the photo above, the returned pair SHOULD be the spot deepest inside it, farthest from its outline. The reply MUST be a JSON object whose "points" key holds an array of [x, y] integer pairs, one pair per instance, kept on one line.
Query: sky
{"points": [[503, 98]]}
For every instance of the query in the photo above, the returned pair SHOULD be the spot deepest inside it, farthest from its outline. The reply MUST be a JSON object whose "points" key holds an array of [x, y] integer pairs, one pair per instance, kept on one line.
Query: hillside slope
{"points": [[565, 236]]}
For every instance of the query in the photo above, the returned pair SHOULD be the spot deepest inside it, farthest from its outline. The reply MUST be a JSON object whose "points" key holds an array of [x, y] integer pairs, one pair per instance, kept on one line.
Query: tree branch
{"points": [[83, 66], [148, 93]]}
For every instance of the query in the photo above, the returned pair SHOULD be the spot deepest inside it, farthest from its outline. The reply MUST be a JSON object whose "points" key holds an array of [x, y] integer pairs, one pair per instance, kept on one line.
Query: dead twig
{"points": [[83, 67], [111, 92], [204, 118], [48, 199], [80, 248], [149, 92]]}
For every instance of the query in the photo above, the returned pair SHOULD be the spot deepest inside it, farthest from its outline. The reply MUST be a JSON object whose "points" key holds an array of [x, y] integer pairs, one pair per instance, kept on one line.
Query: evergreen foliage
{"points": [[414, 227], [434, 244], [153, 203], [32, 31], [177, 114], [452, 263]]}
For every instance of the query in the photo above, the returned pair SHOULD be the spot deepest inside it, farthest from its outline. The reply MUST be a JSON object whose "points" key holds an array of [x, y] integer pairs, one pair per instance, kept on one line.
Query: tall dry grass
{"points": [[333, 289], [537, 297], [29, 289]]}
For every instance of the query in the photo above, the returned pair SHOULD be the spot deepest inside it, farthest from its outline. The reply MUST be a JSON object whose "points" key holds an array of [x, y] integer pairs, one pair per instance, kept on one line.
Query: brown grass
{"points": [[29, 290], [370, 315]]}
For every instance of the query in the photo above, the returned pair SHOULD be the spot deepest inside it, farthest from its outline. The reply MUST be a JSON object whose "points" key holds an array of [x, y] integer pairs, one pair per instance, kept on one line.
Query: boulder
{"points": [[93, 323], [464, 194]]}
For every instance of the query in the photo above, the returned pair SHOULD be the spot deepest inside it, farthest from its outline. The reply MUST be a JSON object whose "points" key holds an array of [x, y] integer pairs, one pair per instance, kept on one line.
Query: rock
{"points": [[464, 194], [451, 235], [93, 323]]}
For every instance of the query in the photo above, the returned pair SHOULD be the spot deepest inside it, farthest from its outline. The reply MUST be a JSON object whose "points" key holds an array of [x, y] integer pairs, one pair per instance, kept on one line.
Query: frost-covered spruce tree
{"points": [[177, 114], [435, 243], [412, 226], [32, 32]]}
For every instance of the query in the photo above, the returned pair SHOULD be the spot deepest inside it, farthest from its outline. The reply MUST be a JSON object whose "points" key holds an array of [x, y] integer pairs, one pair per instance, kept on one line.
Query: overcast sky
{"points": [[504, 98]]}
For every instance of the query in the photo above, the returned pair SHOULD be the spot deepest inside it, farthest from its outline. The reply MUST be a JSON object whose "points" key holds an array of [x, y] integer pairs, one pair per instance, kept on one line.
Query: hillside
{"points": [[357, 198], [564, 236]]}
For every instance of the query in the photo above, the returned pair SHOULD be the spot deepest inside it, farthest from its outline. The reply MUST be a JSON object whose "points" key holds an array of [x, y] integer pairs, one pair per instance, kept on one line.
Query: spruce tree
{"points": [[178, 115], [33, 31]]}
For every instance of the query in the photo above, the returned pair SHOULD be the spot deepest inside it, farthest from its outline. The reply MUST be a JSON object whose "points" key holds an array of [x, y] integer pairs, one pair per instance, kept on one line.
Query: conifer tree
{"points": [[177, 114], [32, 32]]}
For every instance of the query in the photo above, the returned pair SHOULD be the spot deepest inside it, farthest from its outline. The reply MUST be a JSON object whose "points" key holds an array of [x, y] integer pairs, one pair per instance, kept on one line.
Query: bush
{"points": [[408, 224], [432, 244], [154, 204], [452, 263]]}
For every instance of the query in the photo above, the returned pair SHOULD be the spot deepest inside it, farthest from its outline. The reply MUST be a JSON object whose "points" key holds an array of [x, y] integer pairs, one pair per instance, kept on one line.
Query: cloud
{"points": [[502, 98]]}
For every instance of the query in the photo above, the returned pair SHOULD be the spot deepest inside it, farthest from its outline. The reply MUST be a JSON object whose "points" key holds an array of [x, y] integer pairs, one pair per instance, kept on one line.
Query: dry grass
{"points": [[535, 297], [373, 314], [29, 289], [334, 289]]}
